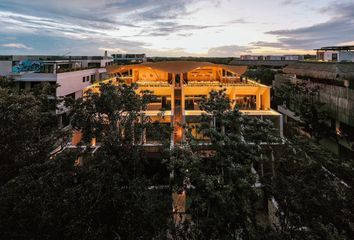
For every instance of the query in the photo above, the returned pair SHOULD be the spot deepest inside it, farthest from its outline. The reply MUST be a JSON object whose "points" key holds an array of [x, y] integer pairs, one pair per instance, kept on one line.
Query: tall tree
{"points": [[221, 188], [28, 127], [109, 196], [314, 201]]}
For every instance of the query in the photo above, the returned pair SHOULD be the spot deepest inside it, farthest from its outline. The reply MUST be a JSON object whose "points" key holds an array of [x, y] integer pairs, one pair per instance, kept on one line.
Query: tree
{"points": [[303, 99], [314, 202], [221, 188], [265, 75], [109, 196], [28, 127]]}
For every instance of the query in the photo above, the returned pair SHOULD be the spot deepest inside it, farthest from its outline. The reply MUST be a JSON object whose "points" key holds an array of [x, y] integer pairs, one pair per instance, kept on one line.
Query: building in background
{"points": [[72, 74], [127, 58], [336, 90], [273, 57], [336, 54]]}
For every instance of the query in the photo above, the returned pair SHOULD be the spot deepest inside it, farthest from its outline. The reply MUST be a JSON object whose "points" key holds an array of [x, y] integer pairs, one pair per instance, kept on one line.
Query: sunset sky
{"points": [[174, 27]]}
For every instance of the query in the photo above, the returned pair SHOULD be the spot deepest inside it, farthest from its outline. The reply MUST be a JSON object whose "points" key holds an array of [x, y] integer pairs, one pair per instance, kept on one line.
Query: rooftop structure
{"points": [[180, 86], [273, 57], [336, 54], [330, 71]]}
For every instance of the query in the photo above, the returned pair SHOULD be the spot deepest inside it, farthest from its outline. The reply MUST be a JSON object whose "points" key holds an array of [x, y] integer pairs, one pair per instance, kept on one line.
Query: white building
{"points": [[72, 74], [336, 54], [273, 57]]}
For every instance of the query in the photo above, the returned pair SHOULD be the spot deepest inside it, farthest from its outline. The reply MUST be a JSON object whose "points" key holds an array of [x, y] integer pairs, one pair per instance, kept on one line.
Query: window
{"points": [[246, 102], [83, 79], [93, 78], [87, 78]]}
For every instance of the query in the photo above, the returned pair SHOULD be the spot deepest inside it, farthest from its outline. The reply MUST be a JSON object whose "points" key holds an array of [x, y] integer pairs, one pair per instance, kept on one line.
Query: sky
{"points": [[206, 28]]}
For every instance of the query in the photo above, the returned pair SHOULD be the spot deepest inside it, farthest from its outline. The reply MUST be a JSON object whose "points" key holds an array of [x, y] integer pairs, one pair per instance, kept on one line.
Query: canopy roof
{"points": [[179, 67]]}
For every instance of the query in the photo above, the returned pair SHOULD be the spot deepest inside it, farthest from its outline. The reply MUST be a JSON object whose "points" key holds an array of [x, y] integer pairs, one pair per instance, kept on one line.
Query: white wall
{"points": [[328, 55], [71, 82], [5, 67]]}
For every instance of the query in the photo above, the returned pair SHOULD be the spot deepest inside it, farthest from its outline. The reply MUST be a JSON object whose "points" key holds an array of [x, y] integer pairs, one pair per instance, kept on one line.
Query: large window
{"points": [[191, 102], [160, 103], [246, 102]]}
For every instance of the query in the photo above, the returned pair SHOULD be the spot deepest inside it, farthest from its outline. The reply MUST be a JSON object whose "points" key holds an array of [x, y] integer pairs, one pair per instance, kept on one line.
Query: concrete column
{"points": [[281, 126], [258, 101]]}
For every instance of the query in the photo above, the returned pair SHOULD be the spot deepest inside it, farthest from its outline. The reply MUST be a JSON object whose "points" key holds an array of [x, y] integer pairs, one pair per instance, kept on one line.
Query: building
{"points": [[336, 54], [336, 91], [180, 86], [128, 58], [71, 73], [272, 57]]}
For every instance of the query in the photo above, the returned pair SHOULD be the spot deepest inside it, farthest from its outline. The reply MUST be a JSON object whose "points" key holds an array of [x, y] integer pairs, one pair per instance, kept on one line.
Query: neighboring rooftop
{"points": [[337, 48], [50, 57], [181, 66], [322, 70]]}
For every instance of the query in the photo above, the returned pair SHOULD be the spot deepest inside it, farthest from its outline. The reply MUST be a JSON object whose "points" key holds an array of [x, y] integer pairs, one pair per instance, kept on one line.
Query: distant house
{"points": [[273, 57], [336, 54]]}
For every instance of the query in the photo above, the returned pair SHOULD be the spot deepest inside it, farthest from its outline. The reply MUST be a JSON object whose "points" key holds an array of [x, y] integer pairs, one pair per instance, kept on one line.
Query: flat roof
{"points": [[336, 48], [177, 67]]}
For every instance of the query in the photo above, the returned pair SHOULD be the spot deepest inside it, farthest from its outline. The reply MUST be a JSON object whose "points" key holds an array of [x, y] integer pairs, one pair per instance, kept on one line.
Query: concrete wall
{"points": [[71, 82], [268, 63], [5, 67], [339, 100]]}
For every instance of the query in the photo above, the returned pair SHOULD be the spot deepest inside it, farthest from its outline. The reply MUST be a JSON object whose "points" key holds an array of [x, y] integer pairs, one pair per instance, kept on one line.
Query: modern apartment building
{"points": [[336, 54], [180, 86], [336, 90], [72, 74]]}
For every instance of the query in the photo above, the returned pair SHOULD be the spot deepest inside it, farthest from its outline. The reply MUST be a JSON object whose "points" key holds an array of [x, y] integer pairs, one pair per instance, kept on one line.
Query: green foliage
{"points": [[57, 200], [314, 202], [220, 185], [28, 127], [265, 75], [108, 197], [303, 99], [113, 114]]}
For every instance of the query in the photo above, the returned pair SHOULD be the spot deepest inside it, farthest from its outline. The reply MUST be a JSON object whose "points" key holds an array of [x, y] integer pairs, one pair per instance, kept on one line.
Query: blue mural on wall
{"points": [[27, 66]]}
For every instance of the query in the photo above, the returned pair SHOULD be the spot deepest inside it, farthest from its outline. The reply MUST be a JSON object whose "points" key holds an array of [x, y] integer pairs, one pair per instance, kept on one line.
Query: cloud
{"points": [[168, 28], [292, 2], [112, 50], [238, 21], [267, 44], [229, 51], [15, 45], [340, 28]]}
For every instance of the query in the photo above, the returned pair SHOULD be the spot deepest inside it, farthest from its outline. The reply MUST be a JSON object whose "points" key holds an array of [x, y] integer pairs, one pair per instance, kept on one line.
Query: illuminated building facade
{"points": [[180, 86]]}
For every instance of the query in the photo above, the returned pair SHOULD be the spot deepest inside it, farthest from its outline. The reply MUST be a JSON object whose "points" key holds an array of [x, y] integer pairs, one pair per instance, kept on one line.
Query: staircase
{"points": [[177, 115]]}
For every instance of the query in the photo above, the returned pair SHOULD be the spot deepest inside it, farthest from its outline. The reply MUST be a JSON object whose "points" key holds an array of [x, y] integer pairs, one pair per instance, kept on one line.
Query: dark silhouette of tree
{"points": [[29, 127], [222, 193], [314, 201]]}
